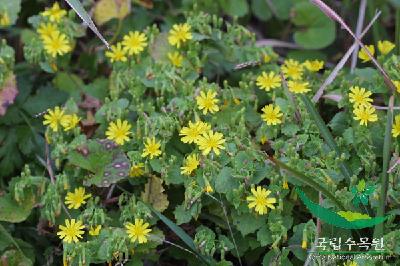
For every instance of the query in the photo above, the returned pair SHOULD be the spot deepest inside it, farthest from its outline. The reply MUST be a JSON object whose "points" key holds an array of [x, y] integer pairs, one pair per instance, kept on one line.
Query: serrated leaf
{"points": [[154, 194]]}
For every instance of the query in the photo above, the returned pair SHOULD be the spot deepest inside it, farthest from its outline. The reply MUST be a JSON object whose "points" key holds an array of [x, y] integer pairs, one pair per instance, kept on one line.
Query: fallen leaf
{"points": [[7, 94], [154, 194], [105, 10]]}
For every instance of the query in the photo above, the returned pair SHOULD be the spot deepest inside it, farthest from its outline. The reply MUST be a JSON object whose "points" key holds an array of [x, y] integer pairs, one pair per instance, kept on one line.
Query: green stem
{"points": [[378, 232], [117, 32], [398, 31], [371, 13]]}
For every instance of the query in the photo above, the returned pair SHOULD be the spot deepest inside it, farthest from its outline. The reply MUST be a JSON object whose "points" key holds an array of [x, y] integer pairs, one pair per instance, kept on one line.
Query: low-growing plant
{"points": [[184, 144]]}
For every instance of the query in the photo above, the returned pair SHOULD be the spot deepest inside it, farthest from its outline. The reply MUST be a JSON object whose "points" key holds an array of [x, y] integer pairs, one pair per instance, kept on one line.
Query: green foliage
{"points": [[316, 29], [105, 129]]}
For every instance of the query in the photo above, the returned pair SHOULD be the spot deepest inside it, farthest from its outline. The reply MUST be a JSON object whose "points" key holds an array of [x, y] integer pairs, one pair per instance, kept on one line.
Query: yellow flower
{"points": [[151, 148], [263, 139], [267, 58], [208, 189], [359, 96], [53, 118], [268, 81], [180, 33], [56, 44], [396, 126], [55, 13], [365, 114], [362, 54], [76, 199], [385, 47], [192, 132], [236, 101], [138, 231], [292, 69], [95, 230], [72, 231], [298, 87], [207, 102], [46, 30], [314, 66], [136, 170], [117, 53], [211, 141], [176, 59], [304, 244], [4, 20], [271, 115], [134, 42], [191, 164], [119, 131], [397, 85], [70, 121], [350, 263], [260, 201], [285, 185]]}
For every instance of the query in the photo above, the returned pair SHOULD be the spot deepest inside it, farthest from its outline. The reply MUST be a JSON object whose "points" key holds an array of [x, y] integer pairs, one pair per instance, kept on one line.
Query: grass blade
{"points": [[326, 134], [308, 181], [378, 231], [78, 8], [182, 235]]}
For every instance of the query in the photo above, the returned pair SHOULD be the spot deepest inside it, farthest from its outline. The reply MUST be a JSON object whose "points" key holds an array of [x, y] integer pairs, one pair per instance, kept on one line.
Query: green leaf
{"points": [[15, 257], [69, 83], [45, 97], [325, 133], [261, 10], [183, 236], [224, 181], [248, 223], [6, 239], [264, 236], [316, 30], [182, 215], [283, 8], [104, 159], [235, 8], [361, 185], [14, 212], [310, 182]]}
